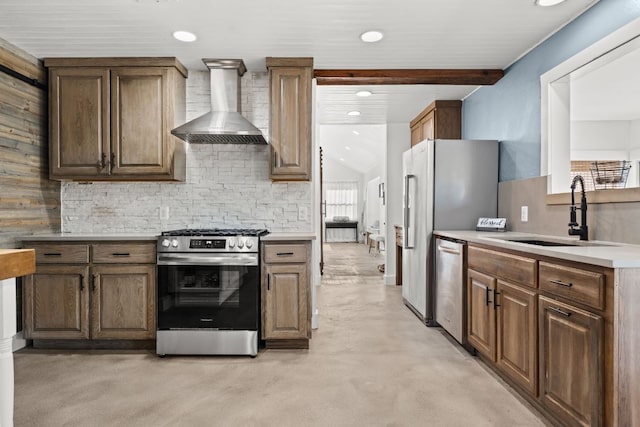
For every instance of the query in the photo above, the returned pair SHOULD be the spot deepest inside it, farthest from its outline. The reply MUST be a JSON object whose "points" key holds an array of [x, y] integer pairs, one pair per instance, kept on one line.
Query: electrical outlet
{"points": [[524, 213], [164, 212], [303, 213]]}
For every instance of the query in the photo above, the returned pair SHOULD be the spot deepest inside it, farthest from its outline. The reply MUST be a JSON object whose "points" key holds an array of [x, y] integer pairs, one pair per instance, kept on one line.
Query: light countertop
{"points": [[606, 254], [288, 236], [76, 237]]}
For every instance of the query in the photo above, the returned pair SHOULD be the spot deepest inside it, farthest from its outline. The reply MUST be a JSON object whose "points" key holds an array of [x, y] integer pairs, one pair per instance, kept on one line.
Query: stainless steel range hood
{"points": [[223, 124]]}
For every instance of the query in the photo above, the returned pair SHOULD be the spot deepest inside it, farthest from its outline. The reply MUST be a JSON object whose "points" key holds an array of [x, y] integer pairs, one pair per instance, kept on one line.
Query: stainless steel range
{"points": [[208, 295]]}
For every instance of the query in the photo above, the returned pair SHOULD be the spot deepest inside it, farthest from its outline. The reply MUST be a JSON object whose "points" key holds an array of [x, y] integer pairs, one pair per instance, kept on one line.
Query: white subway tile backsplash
{"points": [[227, 185]]}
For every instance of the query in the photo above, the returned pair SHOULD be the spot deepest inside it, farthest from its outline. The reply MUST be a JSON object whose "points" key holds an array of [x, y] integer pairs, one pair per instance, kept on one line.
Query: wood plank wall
{"points": [[29, 201]]}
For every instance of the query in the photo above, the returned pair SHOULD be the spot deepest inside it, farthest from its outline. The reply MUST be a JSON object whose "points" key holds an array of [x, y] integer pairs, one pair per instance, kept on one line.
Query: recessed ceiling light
{"points": [[355, 132], [341, 159], [371, 36], [354, 113], [346, 147], [363, 93], [545, 3], [184, 36]]}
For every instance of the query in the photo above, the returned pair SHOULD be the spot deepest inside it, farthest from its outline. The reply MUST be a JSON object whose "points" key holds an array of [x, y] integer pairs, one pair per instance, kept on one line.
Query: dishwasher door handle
{"points": [[449, 250]]}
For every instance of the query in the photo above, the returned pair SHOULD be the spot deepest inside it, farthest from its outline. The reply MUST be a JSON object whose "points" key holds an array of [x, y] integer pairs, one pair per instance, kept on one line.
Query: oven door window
{"points": [[219, 297]]}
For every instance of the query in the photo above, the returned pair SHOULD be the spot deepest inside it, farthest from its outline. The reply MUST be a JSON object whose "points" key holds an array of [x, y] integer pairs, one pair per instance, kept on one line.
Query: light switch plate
{"points": [[524, 213]]}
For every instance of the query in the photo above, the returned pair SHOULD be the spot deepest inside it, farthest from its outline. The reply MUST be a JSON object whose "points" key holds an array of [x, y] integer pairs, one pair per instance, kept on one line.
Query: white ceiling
{"points": [[360, 152], [418, 34]]}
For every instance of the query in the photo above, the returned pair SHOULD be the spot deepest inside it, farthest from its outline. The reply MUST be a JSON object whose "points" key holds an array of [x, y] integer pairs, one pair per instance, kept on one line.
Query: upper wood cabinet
{"points": [[111, 119], [290, 118], [440, 120]]}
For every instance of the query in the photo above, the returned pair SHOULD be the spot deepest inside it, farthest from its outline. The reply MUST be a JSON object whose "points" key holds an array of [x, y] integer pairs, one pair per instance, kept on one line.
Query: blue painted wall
{"points": [[510, 110]]}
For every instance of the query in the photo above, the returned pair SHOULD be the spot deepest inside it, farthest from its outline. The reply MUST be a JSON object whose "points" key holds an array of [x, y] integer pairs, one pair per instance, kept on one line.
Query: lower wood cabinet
{"points": [[123, 302], [110, 297], [571, 346], [56, 300], [481, 316], [516, 334], [502, 325], [544, 327], [286, 297], [286, 302]]}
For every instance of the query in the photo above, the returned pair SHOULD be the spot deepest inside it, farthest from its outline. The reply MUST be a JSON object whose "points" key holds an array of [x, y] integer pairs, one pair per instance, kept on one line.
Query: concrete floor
{"points": [[371, 363]]}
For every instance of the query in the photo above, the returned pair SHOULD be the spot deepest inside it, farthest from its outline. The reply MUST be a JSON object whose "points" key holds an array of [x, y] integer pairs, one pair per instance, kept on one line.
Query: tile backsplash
{"points": [[226, 185]]}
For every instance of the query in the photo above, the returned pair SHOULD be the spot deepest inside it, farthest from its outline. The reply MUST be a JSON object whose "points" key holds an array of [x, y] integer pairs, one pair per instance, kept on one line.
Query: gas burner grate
{"points": [[220, 232]]}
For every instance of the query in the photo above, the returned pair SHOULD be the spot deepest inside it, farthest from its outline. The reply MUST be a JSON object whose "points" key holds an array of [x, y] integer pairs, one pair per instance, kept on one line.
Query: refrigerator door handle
{"points": [[407, 212]]}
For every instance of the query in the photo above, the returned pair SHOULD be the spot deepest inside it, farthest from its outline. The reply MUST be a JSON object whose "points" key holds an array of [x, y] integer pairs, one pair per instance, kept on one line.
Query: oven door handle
{"points": [[209, 259]]}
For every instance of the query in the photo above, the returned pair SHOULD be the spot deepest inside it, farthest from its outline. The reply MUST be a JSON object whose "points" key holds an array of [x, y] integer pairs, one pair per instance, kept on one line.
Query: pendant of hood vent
{"points": [[223, 124]]}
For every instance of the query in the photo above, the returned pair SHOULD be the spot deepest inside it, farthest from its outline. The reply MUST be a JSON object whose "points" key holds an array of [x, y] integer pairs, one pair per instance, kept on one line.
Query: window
{"points": [[341, 200]]}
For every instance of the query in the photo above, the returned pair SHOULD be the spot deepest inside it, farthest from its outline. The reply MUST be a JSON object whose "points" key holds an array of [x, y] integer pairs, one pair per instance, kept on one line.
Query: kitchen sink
{"points": [[541, 242]]}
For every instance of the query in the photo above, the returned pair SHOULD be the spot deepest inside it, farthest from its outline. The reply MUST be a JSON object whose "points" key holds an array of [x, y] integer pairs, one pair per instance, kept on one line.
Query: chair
{"points": [[375, 240]]}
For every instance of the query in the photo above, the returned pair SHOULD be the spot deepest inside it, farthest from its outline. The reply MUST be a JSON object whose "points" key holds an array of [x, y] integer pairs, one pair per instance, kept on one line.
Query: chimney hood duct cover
{"points": [[223, 124]]}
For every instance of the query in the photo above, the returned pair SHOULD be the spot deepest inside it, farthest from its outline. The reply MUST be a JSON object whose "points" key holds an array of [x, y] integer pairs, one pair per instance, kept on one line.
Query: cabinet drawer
{"points": [[130, 253], [575, 284], [285, 253], [506, 266], [61, 253]]}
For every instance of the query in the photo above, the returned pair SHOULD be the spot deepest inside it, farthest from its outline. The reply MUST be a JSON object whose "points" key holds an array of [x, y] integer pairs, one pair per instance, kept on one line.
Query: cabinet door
{"points": [[79, 122], [481, 314], [139, 122], [429, 126], [57, 302], [123, 302], [285, 301], [516, 335], [290, 123], [571, 363]]}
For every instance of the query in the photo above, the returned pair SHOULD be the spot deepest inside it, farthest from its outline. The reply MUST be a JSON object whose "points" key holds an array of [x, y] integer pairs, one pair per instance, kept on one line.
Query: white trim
{"points": [[19, 342], [390, 279], [596, 50]]}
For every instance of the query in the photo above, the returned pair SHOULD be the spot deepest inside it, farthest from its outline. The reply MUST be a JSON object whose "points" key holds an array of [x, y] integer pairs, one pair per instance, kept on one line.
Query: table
{"points": [[342, 224]]}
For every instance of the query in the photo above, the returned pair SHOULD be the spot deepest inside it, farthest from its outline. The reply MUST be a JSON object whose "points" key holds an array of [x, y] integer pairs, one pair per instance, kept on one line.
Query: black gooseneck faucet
{"points": [[582, 230]]}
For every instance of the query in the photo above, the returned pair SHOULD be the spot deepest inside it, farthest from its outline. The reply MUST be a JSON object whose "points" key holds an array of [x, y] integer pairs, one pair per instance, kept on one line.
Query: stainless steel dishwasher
{"points": [[449, 289]]}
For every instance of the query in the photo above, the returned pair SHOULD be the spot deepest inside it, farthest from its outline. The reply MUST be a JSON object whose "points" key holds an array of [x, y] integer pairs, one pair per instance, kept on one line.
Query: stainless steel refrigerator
{"points": [[448, 185]]}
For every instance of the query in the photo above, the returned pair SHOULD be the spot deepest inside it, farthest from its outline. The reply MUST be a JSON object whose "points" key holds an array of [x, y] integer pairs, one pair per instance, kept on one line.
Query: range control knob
{"points": [[166, 243], [174, 243], [232, 242], [249, 243], [240, 243]]}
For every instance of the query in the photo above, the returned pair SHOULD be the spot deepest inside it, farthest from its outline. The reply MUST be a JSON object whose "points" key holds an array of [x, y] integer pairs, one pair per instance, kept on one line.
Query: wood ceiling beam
{"points": [[472, 77]]}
